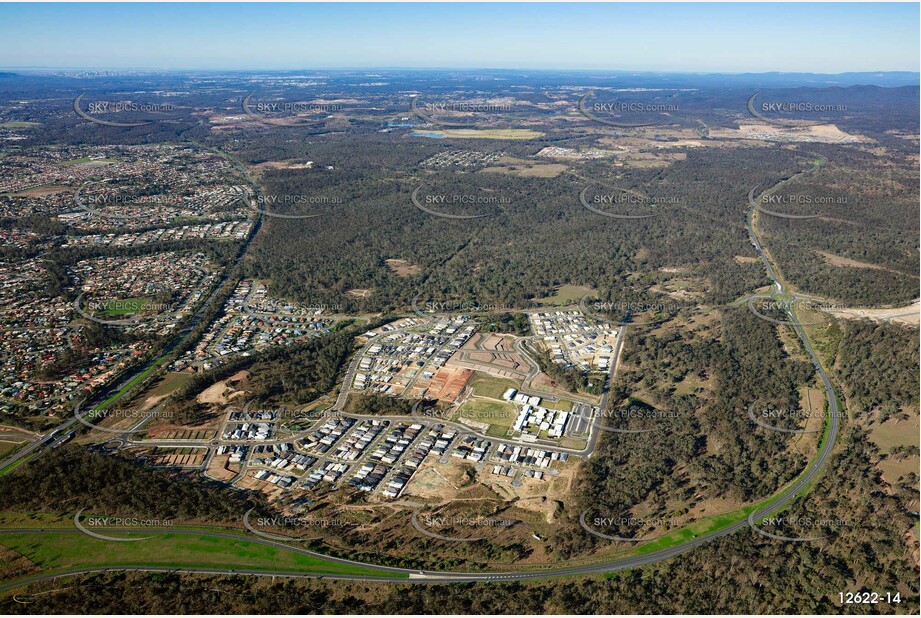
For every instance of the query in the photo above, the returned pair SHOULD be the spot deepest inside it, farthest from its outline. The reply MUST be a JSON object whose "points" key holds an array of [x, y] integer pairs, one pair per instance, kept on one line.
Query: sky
{"points": [[722, 37]]}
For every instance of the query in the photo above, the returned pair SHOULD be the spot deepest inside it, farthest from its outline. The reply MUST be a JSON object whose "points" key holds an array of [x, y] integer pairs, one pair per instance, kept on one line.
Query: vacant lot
{"points": [[527, 169], [566, 295], [488, 133], [402, 268], [19, 124], [43, 191], [499, 415], [486, 386], [893, 436]]}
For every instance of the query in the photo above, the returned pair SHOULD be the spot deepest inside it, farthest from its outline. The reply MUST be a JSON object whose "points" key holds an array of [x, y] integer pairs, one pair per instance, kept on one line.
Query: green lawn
{"points": [[489, 411], [560, 404], [566, 295], [499, 414], [95, 162], [131, 384], [19, 124], [60, 551], [124, 306], [696, 529], [488, 386], [13, 466]]}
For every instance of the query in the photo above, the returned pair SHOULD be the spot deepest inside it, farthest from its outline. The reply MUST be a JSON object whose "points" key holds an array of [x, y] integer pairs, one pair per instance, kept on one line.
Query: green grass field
{"points": [[560, 404], [499, 414], [125, 306], [565, 295], [169, 383], [488, 386], [13, 466], [94, 162], [59, 551], [131, 384], [19, 124]]}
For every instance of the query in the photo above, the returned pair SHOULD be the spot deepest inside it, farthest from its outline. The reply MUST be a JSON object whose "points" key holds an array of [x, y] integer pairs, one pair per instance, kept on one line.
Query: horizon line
{"points": [[443, 68]]}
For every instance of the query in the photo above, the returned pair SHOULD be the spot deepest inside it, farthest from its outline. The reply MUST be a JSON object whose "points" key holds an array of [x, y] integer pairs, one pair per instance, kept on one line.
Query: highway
{"points": [[833, 417]]}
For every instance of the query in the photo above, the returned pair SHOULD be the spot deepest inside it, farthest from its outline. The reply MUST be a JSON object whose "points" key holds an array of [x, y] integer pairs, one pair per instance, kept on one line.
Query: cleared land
{"points": [[487, 133], [402, 268], [566, 295], [891, 437], [60, 551]]}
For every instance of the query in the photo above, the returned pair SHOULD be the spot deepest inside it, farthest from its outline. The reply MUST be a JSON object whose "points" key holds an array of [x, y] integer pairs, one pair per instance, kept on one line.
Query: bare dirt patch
{"points": [[402, 268], [826, 133], [448, 383], [219, 468], [894, 437], [910, 314], [222, 392], [525, 169], [164, 388], [260, 168], [492, 354], [835, 260], [43, 191]]}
